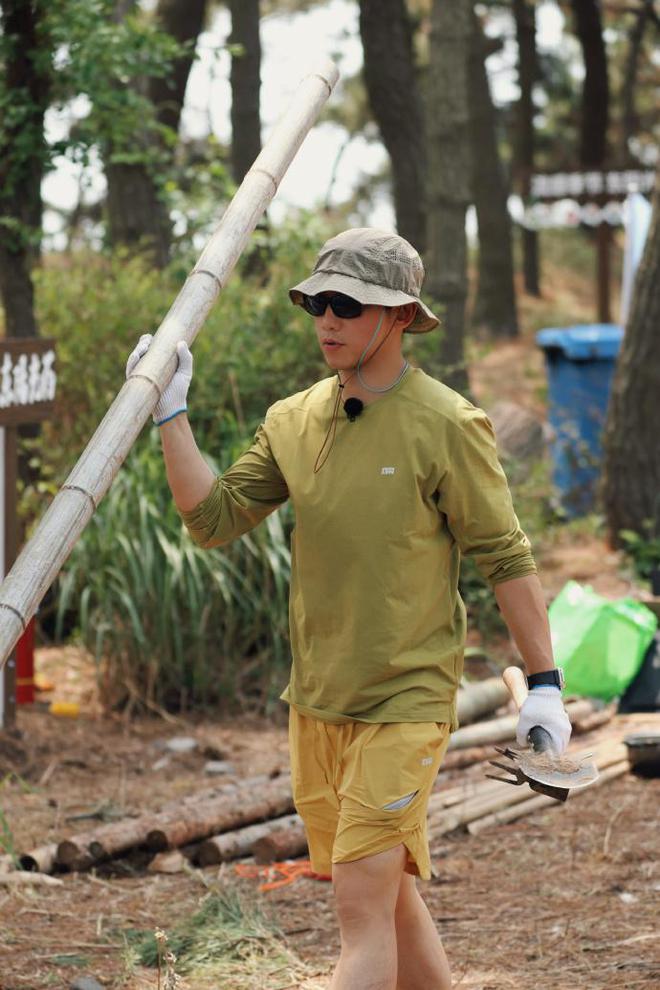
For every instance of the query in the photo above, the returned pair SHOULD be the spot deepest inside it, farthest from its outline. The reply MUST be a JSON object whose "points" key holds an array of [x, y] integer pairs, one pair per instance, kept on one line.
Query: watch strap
{"points": [[554, 678]]}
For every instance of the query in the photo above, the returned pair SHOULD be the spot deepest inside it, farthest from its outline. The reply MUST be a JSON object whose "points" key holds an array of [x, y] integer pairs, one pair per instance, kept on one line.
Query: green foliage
{"points": [[171, 625], [643, 549]]}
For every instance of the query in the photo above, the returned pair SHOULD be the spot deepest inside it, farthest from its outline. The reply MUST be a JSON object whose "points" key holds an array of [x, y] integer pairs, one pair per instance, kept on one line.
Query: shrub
{"points": [[170, 625]]}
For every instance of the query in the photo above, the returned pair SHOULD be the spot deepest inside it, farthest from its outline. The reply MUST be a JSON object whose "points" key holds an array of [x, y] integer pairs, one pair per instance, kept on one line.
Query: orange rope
{"points": [[288, 871]]}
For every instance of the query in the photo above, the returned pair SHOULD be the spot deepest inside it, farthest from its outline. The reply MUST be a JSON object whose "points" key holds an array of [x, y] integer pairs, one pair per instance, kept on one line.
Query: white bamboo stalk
{"points": [[43, 556]]}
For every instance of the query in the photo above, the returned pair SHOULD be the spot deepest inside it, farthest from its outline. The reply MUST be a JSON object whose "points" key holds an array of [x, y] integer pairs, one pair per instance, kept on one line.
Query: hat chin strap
{"points": [[362, 361]]}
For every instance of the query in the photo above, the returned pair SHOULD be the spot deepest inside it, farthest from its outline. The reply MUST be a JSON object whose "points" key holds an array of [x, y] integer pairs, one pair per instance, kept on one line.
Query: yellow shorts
{"points": [[362, 788]]}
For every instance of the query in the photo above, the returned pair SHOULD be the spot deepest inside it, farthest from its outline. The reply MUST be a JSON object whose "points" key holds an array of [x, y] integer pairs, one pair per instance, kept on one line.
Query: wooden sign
{"points": [[591, 185], [28, 382]]}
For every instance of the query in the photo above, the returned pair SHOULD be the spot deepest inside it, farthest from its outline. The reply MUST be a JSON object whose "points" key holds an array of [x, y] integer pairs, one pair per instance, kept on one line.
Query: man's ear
{"points": [[405, 315]]}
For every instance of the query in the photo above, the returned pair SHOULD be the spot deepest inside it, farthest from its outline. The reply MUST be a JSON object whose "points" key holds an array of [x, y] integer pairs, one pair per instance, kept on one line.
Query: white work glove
{"points": [[174, 399], [543, 706]]}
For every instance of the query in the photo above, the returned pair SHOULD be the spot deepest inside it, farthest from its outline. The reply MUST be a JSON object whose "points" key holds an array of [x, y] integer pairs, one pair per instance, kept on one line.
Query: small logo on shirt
{"points": [[387, 470], [427, 761]]}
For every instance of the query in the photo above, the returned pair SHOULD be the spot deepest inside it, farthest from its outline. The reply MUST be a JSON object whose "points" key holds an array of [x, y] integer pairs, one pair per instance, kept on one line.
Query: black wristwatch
{"points": [[554, 677]]}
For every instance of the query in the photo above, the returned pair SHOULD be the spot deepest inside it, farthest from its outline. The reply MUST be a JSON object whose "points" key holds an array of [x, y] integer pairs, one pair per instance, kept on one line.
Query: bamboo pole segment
{"points": [[43, 556]]}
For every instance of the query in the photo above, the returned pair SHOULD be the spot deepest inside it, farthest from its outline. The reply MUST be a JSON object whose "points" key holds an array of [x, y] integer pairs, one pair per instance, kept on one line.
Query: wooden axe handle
{"points": [[515, 681]]}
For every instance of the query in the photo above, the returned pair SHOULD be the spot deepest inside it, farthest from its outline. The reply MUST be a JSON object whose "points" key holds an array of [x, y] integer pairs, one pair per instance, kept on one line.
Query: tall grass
{"points": [[170, 625]]}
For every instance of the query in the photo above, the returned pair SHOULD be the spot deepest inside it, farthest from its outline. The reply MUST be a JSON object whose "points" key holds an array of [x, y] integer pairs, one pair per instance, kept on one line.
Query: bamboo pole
{"points": [[43, 556]]}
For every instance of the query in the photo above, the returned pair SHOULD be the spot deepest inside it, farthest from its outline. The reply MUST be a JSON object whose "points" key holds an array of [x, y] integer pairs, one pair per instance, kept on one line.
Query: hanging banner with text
{"points": [[28, 381]]}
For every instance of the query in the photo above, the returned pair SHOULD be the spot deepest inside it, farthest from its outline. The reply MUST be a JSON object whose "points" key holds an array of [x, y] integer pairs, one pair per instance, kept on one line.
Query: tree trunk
{"points": [[495, 305], [245, 84], [631, 463], [396, 103], [183, 21], [137, 211], [595, 93], [27, 84], [137, 214], [629, 118], [524, 15], [449, 178]]}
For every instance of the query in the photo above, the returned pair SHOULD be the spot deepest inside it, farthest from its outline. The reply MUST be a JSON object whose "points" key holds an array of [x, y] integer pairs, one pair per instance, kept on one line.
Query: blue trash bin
{"points": [[580, 362]]}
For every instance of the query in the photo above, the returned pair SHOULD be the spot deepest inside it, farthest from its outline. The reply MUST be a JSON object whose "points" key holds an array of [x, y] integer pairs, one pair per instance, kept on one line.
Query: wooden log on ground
{"points": [[40, 860], [192, 823], [481, 698], [504, 729], [595, 720], [240, 841], [78, 852], [460, 758], [461, 793], [285, 843]]}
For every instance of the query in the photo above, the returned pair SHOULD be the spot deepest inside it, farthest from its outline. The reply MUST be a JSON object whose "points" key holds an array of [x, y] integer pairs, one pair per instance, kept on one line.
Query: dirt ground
{"points": [[568, 898]]}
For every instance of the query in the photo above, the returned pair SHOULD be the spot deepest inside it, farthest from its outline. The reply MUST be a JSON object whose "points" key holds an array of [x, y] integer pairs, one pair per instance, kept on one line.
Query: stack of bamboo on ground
{"points": [[256, 816]]}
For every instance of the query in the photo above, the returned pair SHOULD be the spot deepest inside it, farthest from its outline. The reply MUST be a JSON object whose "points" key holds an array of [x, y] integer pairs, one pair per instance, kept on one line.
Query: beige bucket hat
{"points": [[374, 266]]}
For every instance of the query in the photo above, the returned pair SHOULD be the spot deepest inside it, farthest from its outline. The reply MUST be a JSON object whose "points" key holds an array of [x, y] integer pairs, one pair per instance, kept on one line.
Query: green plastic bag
{"points": [[599, 643]]}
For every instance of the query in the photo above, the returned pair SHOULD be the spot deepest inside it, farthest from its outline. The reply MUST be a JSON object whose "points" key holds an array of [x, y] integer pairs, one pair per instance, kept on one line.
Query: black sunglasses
{"points": [[342, 306]]}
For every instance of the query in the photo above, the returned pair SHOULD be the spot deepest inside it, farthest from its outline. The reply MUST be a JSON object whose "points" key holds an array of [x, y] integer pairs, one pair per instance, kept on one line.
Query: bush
{"points": [[170, 625]]}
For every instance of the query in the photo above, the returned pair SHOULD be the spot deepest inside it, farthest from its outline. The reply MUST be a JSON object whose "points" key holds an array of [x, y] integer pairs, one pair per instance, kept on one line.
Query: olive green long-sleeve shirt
{"points": [[377, 622]]}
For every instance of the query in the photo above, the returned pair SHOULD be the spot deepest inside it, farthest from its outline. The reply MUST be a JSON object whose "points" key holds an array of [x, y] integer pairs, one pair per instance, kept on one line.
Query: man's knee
{"points": [[366, 890]]}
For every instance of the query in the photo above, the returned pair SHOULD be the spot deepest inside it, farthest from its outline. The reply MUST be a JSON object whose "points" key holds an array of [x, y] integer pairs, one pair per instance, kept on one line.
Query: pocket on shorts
{"points": [[390, 767]]}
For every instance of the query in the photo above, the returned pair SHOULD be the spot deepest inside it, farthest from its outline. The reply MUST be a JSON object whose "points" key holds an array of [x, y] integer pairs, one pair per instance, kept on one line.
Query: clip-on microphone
{"points": [[353, 408]]}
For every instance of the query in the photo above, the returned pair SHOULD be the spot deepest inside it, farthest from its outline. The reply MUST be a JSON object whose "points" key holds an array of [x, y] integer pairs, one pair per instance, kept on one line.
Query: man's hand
{"points": [[543, 706], [174, 399]]}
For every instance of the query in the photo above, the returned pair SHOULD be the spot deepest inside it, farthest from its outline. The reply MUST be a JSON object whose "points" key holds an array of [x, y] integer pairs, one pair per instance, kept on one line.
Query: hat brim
{"points": [[368, 294]]}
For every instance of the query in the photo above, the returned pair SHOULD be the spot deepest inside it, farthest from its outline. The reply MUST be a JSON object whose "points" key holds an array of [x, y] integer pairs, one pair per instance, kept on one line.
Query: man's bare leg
{"points": [[366, 893], [422, 963]]}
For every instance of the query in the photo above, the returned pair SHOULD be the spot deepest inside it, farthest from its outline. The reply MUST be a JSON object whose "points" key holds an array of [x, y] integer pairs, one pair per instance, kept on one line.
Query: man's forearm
{"points": [[189, 476], [522, 605]]}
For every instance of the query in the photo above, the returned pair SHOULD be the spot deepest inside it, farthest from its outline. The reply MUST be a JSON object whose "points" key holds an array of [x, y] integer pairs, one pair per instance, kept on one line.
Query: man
{"points": [[392, 476]]}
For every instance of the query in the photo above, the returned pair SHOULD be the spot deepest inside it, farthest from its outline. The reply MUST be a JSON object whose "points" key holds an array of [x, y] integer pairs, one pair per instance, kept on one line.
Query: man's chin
{"points": [[339, 362]]}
